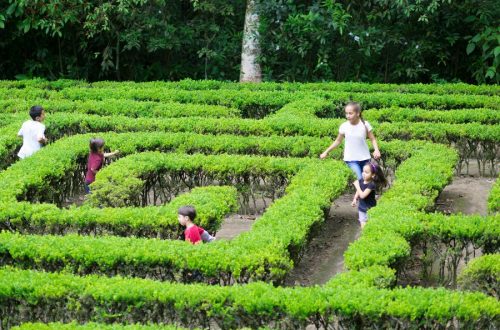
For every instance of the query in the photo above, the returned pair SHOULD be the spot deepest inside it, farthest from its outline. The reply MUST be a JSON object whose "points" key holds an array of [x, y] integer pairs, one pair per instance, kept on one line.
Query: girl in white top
{"points": [[32, 132], [355, 131]]}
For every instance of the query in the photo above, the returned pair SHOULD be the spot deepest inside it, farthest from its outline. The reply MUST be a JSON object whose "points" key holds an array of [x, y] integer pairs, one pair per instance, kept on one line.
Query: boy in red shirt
{"points": [[193, 233]]}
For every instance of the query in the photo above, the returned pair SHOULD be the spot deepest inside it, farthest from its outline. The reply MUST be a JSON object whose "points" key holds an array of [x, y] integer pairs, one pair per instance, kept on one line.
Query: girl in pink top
{"points": [[95, 161]]}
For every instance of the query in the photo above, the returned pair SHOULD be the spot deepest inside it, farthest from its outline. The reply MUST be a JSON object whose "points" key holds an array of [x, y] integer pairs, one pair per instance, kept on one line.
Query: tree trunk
{"points": [[250, 70]]}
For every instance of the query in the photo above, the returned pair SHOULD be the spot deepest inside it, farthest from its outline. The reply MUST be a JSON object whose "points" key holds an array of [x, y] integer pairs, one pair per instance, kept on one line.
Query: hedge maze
{"points": [[116, 261]]}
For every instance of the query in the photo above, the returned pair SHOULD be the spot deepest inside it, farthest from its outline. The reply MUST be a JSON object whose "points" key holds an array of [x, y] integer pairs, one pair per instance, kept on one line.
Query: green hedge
{"points": [[188, 84], [307, 197], [257, 104], [126, 181], [462, 116], [260, 253], [91, 326], [392, 222], [494, 198], [352, 300], [482, 274], [472, 140], [212, 204], [24, 295], [113, 107]]}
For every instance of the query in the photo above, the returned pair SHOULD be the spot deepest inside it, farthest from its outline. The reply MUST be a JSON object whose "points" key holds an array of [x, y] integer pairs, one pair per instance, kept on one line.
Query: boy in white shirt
{"points": [[32, 132]]}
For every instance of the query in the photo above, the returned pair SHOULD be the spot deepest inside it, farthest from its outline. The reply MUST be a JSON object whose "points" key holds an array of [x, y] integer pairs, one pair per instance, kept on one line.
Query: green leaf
{"points": [[497, 51], [491, 72], [470, 48]]}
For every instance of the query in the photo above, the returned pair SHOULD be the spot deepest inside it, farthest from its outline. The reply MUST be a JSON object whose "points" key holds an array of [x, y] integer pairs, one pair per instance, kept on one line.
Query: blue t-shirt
{"points": [[369, 201]]}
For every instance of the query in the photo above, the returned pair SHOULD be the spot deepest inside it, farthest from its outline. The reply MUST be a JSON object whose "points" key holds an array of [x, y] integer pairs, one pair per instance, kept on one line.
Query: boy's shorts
{"points": [[362, 216]]}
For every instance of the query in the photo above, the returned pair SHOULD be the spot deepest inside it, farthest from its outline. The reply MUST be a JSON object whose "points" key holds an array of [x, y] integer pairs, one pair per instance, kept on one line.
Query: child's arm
{"points": [[361, 194], [355, 200], [42, 139], [111, 154], [376, 152], [40, 135], [334, 145], [21, 131], [206, 237]]}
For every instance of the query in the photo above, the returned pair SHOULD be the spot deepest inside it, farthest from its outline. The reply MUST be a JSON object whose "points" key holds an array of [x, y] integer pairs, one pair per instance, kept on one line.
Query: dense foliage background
{"points": [[372, 40]]}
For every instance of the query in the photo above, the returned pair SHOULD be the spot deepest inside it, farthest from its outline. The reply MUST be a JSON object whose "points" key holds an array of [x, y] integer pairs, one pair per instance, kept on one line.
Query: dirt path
{"points": [[465, 194], [234, 225], [324, 256]]}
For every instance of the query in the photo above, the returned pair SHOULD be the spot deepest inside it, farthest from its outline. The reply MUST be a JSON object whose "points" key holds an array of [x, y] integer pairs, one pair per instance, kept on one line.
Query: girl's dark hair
{"points": [[96, 144], [35, 111], [188, 211], [379, 178]]}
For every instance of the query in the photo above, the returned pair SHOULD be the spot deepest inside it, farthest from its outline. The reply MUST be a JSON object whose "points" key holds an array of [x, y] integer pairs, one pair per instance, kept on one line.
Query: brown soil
{"points": [[466, 194], [234, 224], [324, 256]]}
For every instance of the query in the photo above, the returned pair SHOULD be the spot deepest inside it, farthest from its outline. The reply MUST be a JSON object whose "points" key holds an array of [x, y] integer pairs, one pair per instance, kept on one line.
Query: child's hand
{"points": [[353, 204], [323, 155], [356, 184]]}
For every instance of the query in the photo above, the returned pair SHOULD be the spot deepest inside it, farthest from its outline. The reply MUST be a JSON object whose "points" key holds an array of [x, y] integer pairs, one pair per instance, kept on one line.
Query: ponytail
{"points": [[379, 178]]}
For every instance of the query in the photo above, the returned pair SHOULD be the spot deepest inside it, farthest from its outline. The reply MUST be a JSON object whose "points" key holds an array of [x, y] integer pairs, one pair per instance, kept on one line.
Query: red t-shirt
{"points": [[94, 162], [193, 234]]}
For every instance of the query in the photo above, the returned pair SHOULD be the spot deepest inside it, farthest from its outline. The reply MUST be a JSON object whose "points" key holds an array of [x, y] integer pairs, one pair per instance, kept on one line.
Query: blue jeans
{"points": [[357, 166], [86, 187]]}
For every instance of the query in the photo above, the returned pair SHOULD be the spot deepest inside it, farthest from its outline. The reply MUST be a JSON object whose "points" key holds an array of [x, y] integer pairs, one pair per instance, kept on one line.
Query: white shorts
{"points": [[362, 216]]}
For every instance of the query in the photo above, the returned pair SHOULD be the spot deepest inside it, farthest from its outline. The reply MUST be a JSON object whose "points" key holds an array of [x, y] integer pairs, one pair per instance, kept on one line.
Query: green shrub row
{"points": [[127, 180], [258, 254], [66, 155], [392, 223], [91, 326], [482, 232], [69, 124], [41, 83], [212, 204], [258, 104], [462, 116], [244, 100], [188, 84], [163, 260], [27, 295], [251, 104], [59, 125], [482, 274], [423, 318], [425, 101], [113, 107], [494, 198], [448, 241], [320, 182]]}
